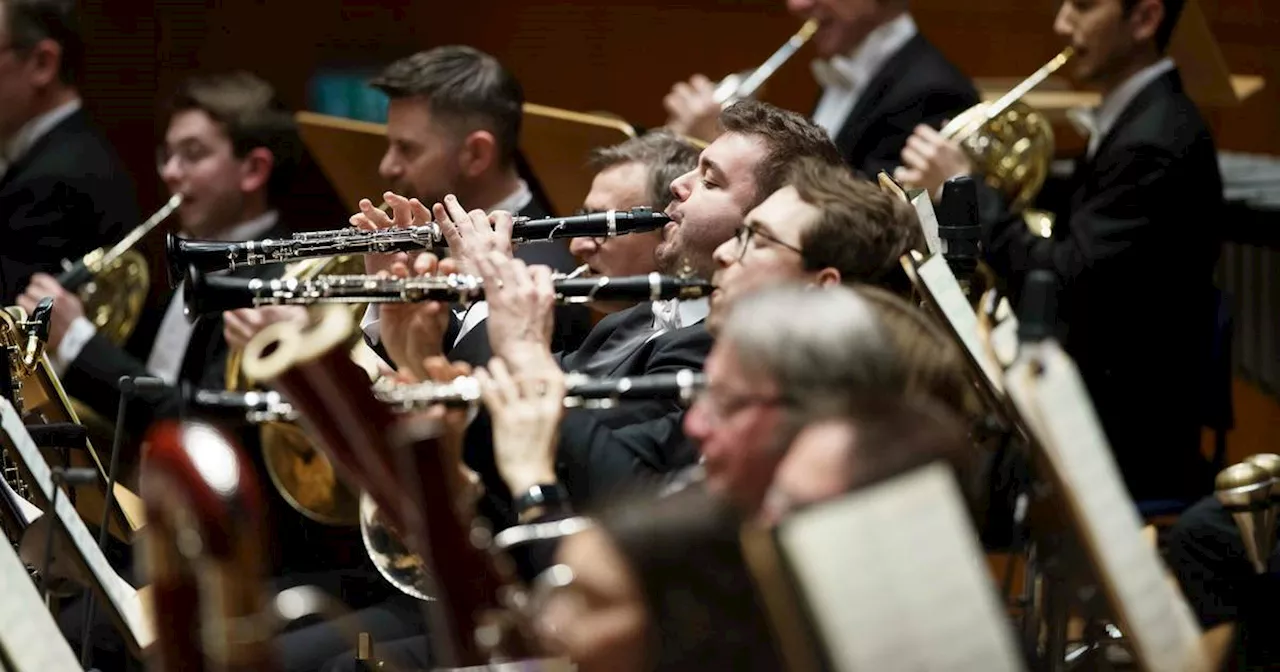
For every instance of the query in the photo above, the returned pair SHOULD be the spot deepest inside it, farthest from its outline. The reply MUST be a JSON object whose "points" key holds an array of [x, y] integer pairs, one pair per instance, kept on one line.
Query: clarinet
{"points": [[209, 255], [211, 294], [581, 391]]}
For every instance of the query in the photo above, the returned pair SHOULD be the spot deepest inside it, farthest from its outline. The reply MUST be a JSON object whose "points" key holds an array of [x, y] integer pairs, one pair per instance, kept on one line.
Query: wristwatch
{"points": [[547, 497]]}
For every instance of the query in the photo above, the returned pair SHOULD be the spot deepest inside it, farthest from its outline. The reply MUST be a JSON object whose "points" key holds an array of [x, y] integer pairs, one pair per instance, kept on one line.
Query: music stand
{"points": [[889, 576], [123, 602], [48, 400], [555, 144], [1103, 522], [30, 640]]}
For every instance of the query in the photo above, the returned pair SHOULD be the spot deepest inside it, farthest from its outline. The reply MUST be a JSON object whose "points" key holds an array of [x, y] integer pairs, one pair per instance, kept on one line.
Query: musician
{"points": [[230, 149], [63, 189], [880, 77], [453, 127], [823, 228], [637, 172], [1206, 554], [871, 440], [1135, 248]]}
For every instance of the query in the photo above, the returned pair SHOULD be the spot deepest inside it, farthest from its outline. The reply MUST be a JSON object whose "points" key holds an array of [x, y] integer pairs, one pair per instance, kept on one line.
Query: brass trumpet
{"points": [[112, 281]]}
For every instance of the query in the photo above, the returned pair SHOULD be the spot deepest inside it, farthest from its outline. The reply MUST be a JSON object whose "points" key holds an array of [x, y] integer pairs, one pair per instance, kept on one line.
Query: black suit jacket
{"points": [[94, 376], [1134, 254], [66, 196], [584, 434], [917, 85]]}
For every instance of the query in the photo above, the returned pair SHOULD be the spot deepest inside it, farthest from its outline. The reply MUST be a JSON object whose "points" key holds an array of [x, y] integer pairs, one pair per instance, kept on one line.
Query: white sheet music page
{"points": [[928, 223], [119, 596], [894, 579], [29, 638], [1154, 615], [947, 293], [30, 512]]}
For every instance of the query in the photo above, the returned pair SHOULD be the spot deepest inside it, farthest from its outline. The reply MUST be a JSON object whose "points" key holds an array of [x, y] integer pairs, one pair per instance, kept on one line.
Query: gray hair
{"points": [[822, 347], [664, 155]]}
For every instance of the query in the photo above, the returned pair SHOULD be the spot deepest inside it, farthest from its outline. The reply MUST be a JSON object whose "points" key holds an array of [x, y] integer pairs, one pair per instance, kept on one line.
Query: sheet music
{"points": [[895, 580], [929, 223], [119, 596], [1155, 617], [947, 293], [29, 638]]}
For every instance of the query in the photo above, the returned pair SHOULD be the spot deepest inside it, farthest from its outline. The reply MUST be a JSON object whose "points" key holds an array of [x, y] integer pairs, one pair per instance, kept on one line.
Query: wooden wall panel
{"points": [[618, 56]]}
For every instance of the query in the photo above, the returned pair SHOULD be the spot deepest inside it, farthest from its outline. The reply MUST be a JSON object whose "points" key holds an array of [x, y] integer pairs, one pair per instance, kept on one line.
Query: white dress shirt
{"points": [[514, 202], [674, 314], [845, 78], [174, 334], [1097, 123], [32, 131]]}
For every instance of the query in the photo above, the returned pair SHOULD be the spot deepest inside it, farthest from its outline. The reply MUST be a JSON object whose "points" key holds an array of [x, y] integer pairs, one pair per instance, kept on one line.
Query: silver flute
{"points": [[580, 392], [211, 294], [212, 255]]}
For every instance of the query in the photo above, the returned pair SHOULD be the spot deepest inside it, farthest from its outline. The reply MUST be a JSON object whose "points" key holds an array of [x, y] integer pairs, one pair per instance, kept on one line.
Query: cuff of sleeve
{"points": [[73, 342]]}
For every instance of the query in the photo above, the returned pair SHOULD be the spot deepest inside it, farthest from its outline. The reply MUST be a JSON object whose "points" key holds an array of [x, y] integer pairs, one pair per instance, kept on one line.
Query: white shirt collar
{"points": [[251, 229], [866, 59], [33, 130], [516, 200], [1115, 103], [675, 314]]}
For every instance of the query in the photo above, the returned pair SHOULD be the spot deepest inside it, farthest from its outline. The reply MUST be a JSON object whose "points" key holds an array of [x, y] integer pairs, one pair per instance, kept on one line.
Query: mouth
{"points": [[669, 230]]}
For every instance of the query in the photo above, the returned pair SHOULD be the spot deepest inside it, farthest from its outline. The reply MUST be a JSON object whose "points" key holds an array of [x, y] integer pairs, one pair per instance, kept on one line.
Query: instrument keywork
{"points": [[211, 294], [581, 391], [209, 255]]}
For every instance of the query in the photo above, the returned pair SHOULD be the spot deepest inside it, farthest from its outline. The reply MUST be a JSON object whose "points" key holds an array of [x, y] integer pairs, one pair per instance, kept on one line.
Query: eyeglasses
{"points": [[721, 404], [743, 238], [187, 155]]}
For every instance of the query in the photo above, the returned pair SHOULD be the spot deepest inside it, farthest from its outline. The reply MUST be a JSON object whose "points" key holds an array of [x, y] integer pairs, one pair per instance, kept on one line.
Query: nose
{"points": [[1064, 22], [799, 7], [170, 173], [726, 253], [683, 185], [389, 168], [583, 246], [697, 425]]}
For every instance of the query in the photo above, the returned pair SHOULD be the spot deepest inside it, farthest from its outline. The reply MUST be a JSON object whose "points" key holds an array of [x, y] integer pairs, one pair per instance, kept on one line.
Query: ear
{"points": [[1145, 20], [255, 169], [479, 152], [45, 59], [827, 277]]}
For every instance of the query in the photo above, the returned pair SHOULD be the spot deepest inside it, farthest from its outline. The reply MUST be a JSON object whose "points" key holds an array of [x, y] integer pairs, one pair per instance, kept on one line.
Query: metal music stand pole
{"points": [[129, 387]]}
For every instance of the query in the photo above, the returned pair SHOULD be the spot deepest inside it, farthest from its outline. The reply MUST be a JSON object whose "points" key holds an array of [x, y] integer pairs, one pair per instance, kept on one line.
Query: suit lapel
{"points": [[874, 95], [75, 120], [1165, 85]]}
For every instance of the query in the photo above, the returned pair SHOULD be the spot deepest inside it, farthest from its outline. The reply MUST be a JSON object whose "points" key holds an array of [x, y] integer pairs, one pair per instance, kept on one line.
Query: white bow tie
{"points": [[829, 75], [666, 315]]}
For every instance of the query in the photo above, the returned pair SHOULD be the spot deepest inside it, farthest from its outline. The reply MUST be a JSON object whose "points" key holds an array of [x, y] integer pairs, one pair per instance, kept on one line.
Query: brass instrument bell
{"points": [[1244, 489]]}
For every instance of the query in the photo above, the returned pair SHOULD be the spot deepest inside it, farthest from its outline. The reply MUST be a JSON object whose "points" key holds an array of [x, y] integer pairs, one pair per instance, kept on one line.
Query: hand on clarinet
{"points": [[475, 234], [405, 212], [239, 326], [414, 332], [524, 393], [521, 303], [929, 159], [692, 109]]}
